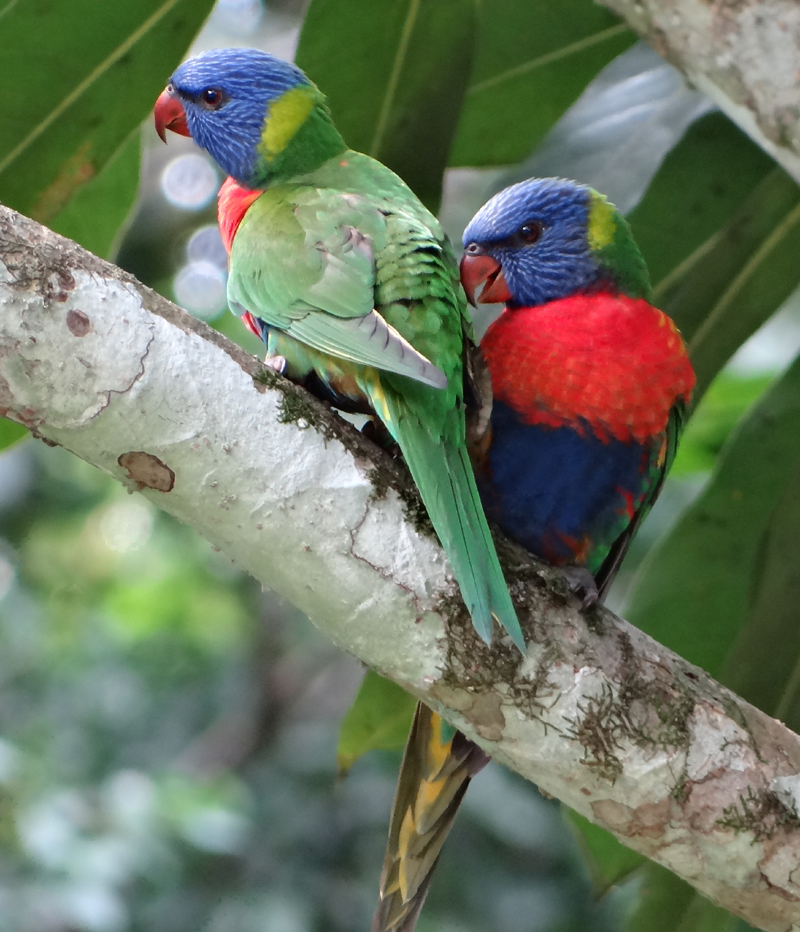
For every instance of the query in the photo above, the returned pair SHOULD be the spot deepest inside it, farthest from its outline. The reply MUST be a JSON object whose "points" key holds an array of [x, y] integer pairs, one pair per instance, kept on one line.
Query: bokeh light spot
{"points": [[189, 181], [126, 525], [200, 288], [238, 16], [205, 245]]}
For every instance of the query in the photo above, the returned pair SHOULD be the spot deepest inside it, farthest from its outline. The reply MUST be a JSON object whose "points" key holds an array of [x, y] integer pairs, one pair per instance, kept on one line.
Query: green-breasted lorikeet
{"points": [[590, 386], [345, 274]]}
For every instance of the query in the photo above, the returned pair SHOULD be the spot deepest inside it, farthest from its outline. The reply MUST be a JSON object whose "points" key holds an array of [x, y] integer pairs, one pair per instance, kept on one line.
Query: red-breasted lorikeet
{"points": [[590, 384]]}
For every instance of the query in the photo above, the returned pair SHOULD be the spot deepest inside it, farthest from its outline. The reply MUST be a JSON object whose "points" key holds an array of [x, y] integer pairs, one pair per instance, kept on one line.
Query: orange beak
{"points": [[169, 114], [484, 270]]}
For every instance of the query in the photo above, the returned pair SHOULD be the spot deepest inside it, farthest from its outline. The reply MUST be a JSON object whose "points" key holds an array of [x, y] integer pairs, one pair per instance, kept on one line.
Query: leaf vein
{"points": [[87, 82], [394, 77], [546, 59]]}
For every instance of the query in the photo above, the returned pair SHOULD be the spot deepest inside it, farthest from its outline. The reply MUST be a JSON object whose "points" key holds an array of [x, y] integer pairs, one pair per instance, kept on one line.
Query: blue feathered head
{"points": [[547, 238], [243, 106]]}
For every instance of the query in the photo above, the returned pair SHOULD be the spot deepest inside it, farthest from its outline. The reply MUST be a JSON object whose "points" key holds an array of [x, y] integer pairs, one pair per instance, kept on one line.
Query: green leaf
{"points": [[379, 719], [763, 664], [533, 60], [79, 77], [395, 73], [95, 215], [701, 184], [746, 273], [10, 433], [669, 904], [714, 420], [608, 860], [692, 592], [720, 230]]}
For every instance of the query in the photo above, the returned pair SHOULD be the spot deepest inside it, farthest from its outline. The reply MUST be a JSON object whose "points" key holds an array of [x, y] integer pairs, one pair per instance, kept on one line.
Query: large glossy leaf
{"points": [[763, 665], [379, 719], [714, 421], [78, 77], [720, 229], [533, 59], [95, 215], [395, 73], [749, 269], [696, 193], [693, 591]]}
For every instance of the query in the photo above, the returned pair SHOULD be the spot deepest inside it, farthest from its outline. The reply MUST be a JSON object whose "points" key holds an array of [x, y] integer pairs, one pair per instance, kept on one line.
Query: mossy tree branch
{"points": [[597, 713]]}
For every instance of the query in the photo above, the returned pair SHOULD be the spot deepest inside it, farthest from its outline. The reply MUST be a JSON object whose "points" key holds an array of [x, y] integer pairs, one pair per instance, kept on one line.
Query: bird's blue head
{"points": [[257, 116], [548, 238]]}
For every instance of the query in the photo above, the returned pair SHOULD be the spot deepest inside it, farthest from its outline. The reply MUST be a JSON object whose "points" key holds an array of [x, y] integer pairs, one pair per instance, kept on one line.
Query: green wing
{"points": [[303, 260], [605, 575]]}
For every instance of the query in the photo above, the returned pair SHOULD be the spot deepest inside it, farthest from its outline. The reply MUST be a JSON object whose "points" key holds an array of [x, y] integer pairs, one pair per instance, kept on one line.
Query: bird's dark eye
{"points": [[212, 98], [473, 249], [530, 232]]}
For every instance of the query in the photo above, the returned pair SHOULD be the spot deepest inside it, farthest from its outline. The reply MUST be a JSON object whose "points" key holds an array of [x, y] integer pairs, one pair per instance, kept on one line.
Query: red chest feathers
{"points": [[616, 363], [232, 203]]}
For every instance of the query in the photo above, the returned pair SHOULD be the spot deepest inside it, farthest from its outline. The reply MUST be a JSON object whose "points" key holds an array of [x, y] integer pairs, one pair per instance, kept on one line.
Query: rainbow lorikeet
{"points": [[346, 276], [590, 386]]}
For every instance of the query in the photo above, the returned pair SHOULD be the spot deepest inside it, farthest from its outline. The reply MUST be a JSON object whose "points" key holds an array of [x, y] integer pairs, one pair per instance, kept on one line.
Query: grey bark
{"points": [[745, 54]]}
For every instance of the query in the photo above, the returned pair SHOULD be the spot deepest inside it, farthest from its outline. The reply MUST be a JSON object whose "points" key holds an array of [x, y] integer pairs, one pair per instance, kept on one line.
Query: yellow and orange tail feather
{"points": [[437, 766]]}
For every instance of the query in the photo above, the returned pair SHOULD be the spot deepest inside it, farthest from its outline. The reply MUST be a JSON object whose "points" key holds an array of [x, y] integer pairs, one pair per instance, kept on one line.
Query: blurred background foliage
{"points": [[168, 731]]}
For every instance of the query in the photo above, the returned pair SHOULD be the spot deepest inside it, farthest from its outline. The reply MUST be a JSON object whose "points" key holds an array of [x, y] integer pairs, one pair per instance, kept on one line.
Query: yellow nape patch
{"points": [[602, 224], [286, 115]]}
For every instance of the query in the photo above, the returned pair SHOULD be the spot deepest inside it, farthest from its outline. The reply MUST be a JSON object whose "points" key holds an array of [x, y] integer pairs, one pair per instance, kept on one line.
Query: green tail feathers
{"points": [[443, 474]]}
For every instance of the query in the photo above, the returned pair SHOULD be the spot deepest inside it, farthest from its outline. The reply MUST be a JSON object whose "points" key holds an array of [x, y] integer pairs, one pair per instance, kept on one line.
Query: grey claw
{"points": [[582, 584], [276, 363]]}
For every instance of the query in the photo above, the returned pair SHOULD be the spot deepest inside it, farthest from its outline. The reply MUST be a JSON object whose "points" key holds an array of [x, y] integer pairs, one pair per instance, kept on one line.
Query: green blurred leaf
{"points": [[714, 420], [608, 860], [79, 77], [95, 215], [395, 74], [745, 274], [669, 904], [379, 719], [720, 229], [692, 592], [207, 614], [763, 664], [701, 184], [533, 59], [10, 433]]}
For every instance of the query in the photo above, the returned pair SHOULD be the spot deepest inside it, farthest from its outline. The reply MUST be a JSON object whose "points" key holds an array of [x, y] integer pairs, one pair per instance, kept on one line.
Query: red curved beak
{"points": [[168, 114], [484, 270]]}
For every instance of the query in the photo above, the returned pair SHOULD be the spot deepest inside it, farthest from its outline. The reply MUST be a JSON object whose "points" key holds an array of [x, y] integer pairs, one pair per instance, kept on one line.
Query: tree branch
{"points": [[597, 713], [745, 54]]}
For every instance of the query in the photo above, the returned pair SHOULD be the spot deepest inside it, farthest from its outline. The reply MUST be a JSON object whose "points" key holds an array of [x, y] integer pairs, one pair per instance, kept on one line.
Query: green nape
{"points": [[298, 136], [610, 238]]}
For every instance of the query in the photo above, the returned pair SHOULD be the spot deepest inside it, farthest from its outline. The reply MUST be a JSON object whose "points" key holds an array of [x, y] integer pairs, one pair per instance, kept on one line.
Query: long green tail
{"points": [[444, 477]]}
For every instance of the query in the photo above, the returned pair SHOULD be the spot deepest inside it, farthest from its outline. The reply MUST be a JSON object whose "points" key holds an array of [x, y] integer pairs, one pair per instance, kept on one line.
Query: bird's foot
{"points": [[276, 363], [582, 584]]}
